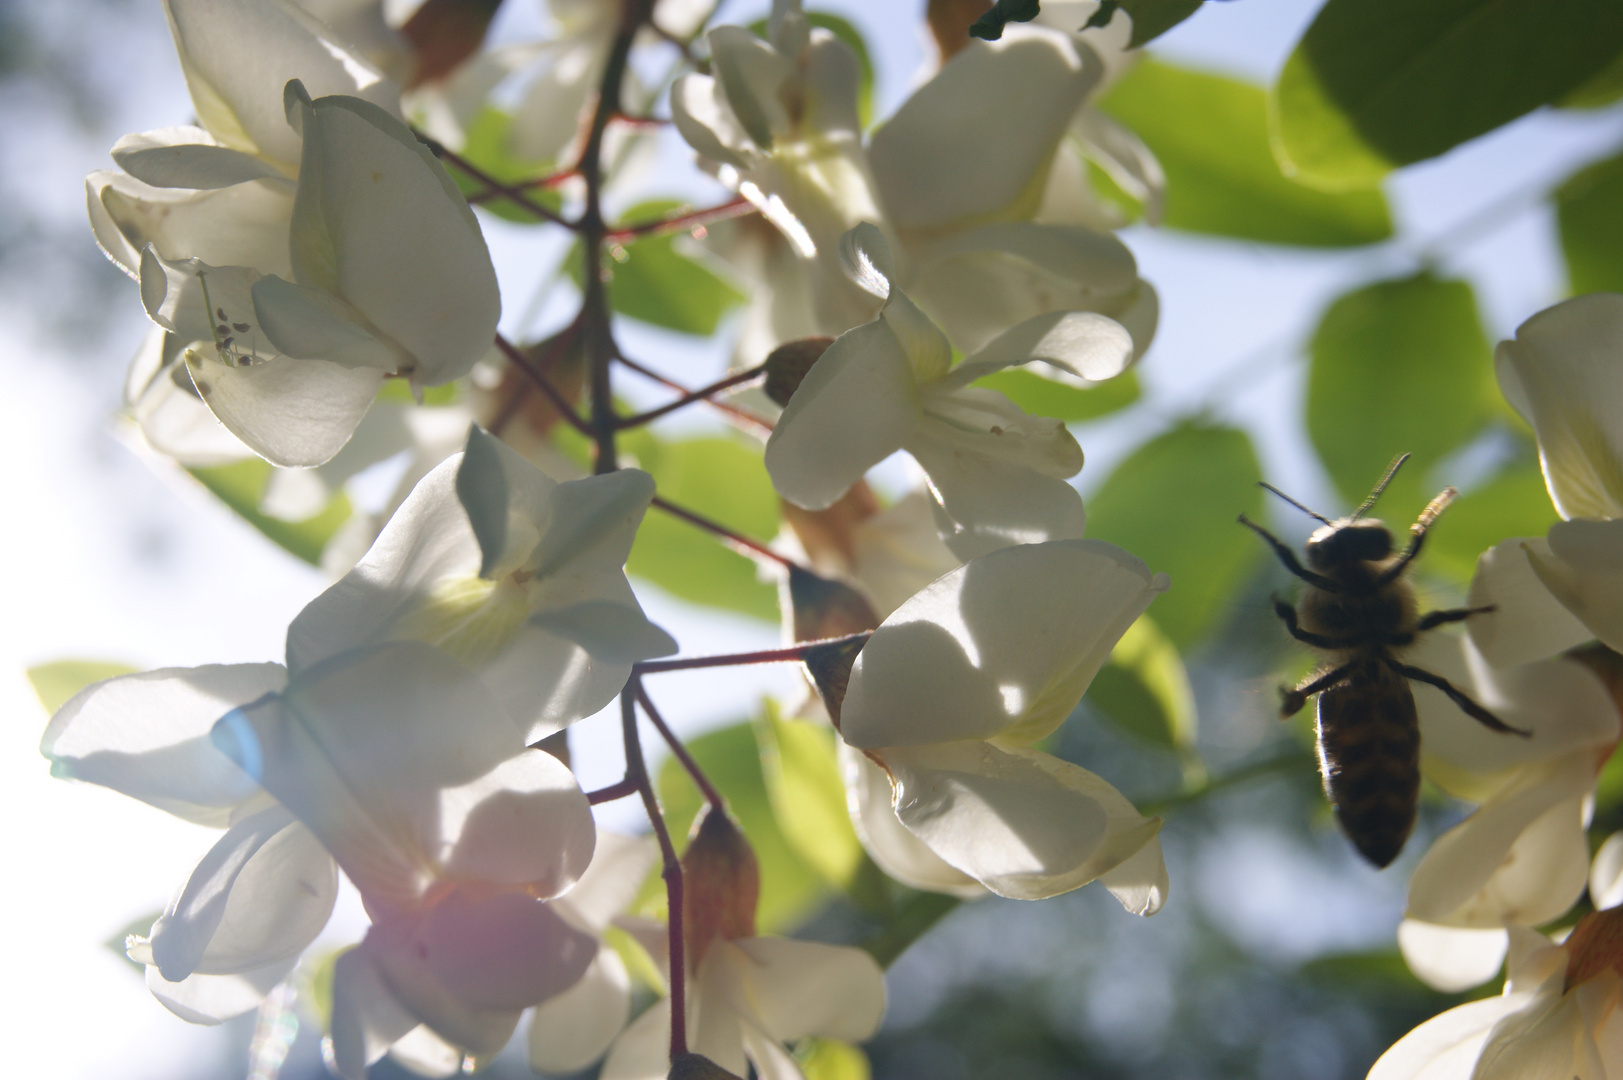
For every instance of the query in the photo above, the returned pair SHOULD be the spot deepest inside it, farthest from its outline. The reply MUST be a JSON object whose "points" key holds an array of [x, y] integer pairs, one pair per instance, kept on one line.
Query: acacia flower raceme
{"points": [[889, 385], [513, 573], [1560, 373], [953, 689]]}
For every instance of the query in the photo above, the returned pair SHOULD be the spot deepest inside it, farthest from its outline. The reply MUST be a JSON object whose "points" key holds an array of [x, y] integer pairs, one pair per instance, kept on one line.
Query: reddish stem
{"points": [[551, 180], [712, 796], [702, 394], [793, 654], [686, 220], [539, 378], [637, 774], [617, 790], [756, 425], [496, 186], [742, 544]]}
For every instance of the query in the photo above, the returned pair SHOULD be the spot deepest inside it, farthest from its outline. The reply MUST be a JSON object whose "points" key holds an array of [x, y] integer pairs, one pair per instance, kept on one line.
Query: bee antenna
{"points": [[1391, 471], [1293, 502]]}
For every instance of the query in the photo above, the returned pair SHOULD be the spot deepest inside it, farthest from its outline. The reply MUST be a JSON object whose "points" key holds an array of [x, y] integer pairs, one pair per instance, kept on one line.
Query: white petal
{"points": [[855, 407], [794, 989], [423, 1053], [505, 952], [526, 822], [1545, 1040], [187, 157], [570, 1031], [1450, 958], [1446, 1046], [1140, 883], [1528, 622], [1561, 368], [620, 865], [1606, 874], [260, 895], [210, 999], [1005, 644], [897, 852], [1024, 824], [611, 632], [308, 324], [593, 523], [952, 152], [703, 118], [172, 418], [1082, 347], [379, 223], [1585, 572], [752, 74], [547, 122], [366, 1017], [643, 1050], [147, 736], [241, 225], [238, 54]]}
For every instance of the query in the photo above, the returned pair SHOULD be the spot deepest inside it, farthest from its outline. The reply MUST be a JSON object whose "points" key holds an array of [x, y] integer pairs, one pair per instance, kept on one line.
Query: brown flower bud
{"points": [[697, 1067], [830, 669], [825, 608], [788, 364], [445, 33], [829, 535], [949, 23], [1596, 944], [721, 884]]}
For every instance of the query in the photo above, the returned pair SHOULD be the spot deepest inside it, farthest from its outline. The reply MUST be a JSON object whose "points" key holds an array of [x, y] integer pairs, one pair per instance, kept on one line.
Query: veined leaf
{"points": [[1047, 397], [1145, 689], [808, 795], [241, 485]]}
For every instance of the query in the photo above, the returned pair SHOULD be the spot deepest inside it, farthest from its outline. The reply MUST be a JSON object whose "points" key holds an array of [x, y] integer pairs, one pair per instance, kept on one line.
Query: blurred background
{"points": [[1275, 957]]}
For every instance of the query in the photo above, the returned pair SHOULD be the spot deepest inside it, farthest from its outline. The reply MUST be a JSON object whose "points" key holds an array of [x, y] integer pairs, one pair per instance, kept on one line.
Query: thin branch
{"points": [[755, 425], [686, 220], [738, 378], [712, 796], [539, 378], [617, 790], [792, 654], [637, 773], [551, 180], [495, 186], [742, 544]]}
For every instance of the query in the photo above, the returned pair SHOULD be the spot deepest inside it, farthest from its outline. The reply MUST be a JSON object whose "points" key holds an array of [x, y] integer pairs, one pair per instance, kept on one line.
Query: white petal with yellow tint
{"points": [[241, 225], [366, 1017], [1528, 623], [1584, 569], [1079, 347], [570, 1031], [1445, 1047], [1452, 958], [526, 822], [795, 989], [213, 999], [187, 157], [147, 736], [898, 852]]}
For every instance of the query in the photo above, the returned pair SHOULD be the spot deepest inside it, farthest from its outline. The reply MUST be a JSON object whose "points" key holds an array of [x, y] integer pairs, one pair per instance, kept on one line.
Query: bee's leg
{"points": [[1287, 615], [1438, 618], [1288, 558], [1291, 701], [1458, 697], [1417, 535]]}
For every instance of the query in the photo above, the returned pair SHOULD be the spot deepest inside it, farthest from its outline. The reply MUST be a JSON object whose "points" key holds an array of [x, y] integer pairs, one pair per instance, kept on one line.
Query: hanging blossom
{"points": [[954, 688], [997, 472], [390, 276], [1559, 1015], [515, 574], [1560, 374], [956, 184]]}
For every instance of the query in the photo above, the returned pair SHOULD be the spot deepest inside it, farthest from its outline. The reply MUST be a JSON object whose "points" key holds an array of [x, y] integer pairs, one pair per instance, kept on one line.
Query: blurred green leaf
{"points": [[1375, 84], [790, 889], [139, 927], [1151, 18], [1145, 689], [844, 30], [1398, 367], [663, 280], [398, 392], [241, 485], [1172, 503], [831, 1059], [487, 148], [803, 781], [1210, 133], [315, 984], [1589, 212], [1047, 397], [1514, 503], [54, 683], [1603, 88], [908, 922], [723, 480]]}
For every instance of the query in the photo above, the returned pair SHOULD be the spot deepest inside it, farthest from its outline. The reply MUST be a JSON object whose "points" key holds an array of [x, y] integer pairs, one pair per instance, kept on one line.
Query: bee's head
{"points": [[1348, 541]]}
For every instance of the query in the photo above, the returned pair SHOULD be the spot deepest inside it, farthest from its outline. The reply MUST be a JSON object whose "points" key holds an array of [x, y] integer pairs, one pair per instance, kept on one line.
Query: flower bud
{"points": [[788, 364], [697, 1067], [1595, 945], [830, 669], [825, 608], [721, 881]]}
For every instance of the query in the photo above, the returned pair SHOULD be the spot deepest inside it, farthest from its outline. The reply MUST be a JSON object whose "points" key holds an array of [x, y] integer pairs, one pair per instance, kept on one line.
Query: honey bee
{"points": [[1358, 607]]}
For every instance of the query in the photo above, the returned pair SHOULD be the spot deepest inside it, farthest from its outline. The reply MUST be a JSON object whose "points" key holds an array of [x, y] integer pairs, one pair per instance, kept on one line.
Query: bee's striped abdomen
{"points": [[1369, 753]]}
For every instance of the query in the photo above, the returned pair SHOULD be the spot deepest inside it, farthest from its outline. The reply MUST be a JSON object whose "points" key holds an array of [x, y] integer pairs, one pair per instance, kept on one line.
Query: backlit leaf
{"points": [[241, 485]]}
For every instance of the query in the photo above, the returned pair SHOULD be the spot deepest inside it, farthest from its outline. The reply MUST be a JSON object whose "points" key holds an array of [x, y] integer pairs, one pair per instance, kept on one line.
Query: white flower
{"points": [[515, 574], [889, 385], [951, 692], [1561, 374]]}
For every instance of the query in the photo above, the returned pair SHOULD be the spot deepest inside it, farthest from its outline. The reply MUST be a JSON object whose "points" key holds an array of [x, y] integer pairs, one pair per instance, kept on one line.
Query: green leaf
{"points": [[1589, 212], [1172, 503], [1145, 689], [1375, 84], [831, 1059], [663, 280], [848, 33], [910, 920], [1514, 503], [488, 149], [790, 889], [721, 479], [241, 485], [1046, 397], [803, 781], [990, 25], [1151, 18], [398, 392], [1210, 133], [1601, 90], [1398, 367], [54, 683]]}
